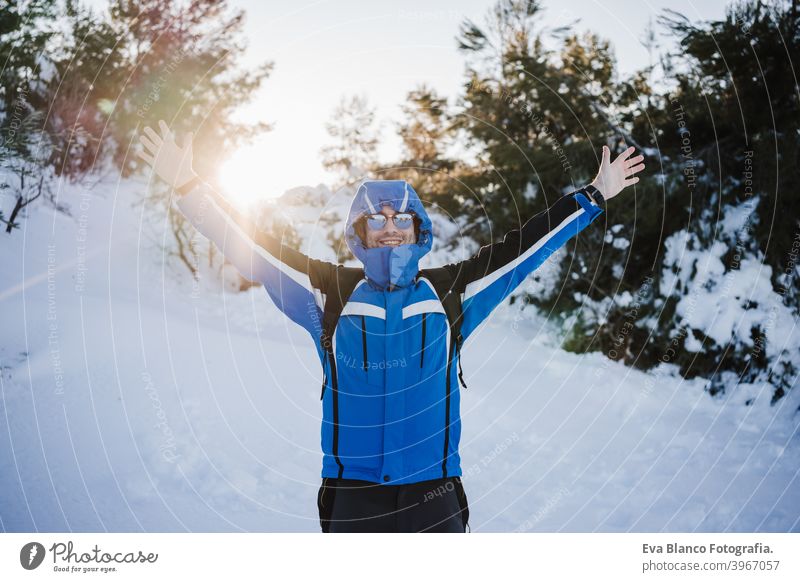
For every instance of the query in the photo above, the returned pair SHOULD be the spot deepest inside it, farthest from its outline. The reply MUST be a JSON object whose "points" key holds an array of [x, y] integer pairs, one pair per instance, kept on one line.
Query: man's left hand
{"points": [[613, 177]]}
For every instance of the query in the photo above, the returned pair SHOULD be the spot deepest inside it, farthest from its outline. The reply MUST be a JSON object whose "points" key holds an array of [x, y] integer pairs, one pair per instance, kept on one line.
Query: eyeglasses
{"points": [[402, 220]]}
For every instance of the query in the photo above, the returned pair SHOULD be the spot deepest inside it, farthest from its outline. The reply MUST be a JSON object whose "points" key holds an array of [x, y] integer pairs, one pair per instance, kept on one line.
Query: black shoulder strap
{"points": [[345, 280], [444, 284], [338, 295]]}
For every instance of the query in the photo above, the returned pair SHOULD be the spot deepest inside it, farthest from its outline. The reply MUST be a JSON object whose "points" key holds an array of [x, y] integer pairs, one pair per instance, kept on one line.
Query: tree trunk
{"points": [[17, 207]]}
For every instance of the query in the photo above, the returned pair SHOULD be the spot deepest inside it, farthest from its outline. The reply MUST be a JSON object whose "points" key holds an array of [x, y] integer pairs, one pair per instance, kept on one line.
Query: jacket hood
{"points": [[388, 266]]}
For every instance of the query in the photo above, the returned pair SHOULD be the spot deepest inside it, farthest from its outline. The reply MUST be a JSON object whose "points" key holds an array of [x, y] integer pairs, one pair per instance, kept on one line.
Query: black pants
{"points": [[352, 505]]}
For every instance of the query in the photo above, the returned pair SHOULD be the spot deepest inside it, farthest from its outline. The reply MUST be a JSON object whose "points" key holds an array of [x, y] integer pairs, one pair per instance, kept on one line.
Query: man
{"points": [[389, 334]]}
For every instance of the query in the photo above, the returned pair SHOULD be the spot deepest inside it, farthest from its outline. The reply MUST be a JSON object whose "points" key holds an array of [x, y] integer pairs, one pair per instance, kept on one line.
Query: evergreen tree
{"points": [[25, 33], [530, 113], [719, 112], [25, 29], [184, 69], [89, 72], [426, 135], [104, 76], [537, 118], [352, 127], [738, 148]]}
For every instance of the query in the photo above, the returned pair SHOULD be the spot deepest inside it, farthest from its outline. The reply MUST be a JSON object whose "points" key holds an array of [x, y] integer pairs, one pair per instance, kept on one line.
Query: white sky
{"points": [[326, 49]]}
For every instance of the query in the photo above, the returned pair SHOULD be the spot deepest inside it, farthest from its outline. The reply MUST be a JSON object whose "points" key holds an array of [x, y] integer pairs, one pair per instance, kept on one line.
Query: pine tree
{"points": [[104, 76], [183, 63], [741, 110], [534, 119], [353, 154], [527, 111], [426, 137], [25, 31], [537, 118]]}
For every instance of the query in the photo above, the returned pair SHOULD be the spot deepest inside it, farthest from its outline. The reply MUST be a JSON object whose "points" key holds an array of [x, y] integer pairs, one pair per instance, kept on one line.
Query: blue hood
{"points": [[388, 266]]}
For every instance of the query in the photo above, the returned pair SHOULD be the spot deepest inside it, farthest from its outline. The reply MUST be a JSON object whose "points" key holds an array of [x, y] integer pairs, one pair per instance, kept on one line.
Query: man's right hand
{"points": [[170, 162]]}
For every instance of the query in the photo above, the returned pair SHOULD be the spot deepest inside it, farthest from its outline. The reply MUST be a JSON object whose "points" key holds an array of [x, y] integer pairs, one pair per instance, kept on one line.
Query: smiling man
{"points": [[388, 228], [388, 334]]}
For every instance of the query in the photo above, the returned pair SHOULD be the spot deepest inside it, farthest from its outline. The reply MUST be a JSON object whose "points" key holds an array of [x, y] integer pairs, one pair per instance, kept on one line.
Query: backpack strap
{"points": [[339, 293], [444, 284]]}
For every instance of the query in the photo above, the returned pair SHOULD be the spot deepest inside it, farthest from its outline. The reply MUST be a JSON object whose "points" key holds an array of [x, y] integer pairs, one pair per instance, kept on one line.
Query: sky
{"points": [[324, 50]]}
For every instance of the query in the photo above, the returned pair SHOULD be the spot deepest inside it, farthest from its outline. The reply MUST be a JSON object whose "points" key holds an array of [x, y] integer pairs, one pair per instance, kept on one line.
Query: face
{"points": [[389, 235]]}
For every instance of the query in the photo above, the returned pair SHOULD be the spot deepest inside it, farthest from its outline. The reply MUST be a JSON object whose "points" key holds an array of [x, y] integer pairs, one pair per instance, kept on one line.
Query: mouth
{"points": [[390, 242]]}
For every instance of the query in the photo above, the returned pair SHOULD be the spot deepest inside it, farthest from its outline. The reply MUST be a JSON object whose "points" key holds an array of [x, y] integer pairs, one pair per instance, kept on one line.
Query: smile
{"points": [[390, 242]]}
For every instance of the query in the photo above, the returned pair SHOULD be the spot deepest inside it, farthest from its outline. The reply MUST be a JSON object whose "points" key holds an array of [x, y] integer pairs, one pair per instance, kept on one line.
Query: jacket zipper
{"points": [[447, 413], [364, 343], [422, 352]]}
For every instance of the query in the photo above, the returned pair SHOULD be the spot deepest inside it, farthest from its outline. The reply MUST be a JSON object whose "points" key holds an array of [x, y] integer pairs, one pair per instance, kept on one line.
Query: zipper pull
{"points": [[324, 381], [459, 342], [461, 373]]}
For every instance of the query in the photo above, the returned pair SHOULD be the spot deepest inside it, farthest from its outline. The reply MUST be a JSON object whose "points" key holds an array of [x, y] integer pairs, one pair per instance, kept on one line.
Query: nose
{"points": [[390, 228]]}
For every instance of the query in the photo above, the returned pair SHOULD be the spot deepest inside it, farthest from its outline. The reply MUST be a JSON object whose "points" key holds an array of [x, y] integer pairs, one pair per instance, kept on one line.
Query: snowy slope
{"points": [[133, 401]]}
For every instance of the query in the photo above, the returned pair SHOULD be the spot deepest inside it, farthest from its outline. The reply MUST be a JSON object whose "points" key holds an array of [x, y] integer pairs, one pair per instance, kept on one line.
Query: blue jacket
{"points": [[390, 395]]}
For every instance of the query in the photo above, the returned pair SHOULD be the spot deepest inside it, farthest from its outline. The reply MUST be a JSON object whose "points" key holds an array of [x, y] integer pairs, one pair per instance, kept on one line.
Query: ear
{"points": [[358, 228]]}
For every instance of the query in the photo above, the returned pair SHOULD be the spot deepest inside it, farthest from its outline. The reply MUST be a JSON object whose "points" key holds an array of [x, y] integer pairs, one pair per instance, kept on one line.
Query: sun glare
{"points": [[271, 165], [246, 178]]}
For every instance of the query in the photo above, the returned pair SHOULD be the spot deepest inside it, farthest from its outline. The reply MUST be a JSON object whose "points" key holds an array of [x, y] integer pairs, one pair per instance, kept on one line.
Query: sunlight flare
{"points": [[246, 178]]}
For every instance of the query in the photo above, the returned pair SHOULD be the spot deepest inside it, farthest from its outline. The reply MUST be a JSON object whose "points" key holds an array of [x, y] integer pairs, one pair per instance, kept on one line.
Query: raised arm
{"points": [[487, 278], [296, 283]]}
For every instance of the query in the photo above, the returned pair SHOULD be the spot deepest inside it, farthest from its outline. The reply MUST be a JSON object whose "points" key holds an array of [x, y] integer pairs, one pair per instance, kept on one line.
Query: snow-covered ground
{"points": [[133, 400]]}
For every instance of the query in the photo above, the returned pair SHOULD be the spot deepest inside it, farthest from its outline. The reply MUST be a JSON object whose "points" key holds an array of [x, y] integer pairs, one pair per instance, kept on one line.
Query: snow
{"points": [[135, 400], [727, 303]]}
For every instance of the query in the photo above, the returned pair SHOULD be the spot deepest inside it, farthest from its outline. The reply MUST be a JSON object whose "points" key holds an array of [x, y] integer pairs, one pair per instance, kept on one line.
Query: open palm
{"points": [[170, 162], [613, 177]]}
